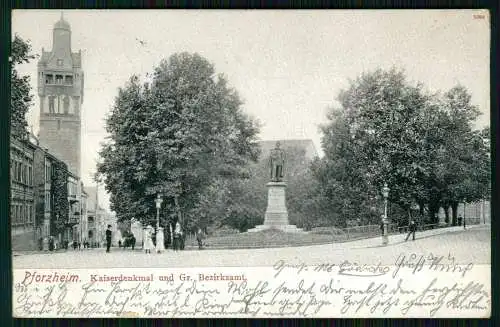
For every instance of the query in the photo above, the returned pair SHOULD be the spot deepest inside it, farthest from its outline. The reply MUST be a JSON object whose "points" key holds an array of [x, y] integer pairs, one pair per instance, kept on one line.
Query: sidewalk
{"points": [[400, 238], [372, 242]]}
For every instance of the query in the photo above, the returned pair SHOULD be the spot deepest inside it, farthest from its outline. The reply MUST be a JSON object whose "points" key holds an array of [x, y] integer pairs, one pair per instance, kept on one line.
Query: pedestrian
{"points": [[79, 246], [199, 238], [132, 241], [51, 244], [177, 236], [108, 238], [382, 227], [119, 244], [148, 239], [412, 229], [160, 241], [75, 245]]}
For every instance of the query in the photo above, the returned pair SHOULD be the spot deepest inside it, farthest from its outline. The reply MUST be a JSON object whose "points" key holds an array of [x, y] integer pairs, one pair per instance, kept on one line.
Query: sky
{"points": [[288, 66]]}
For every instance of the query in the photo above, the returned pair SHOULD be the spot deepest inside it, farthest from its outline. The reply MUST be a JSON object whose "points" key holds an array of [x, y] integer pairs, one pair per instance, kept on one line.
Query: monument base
{"points": [[276, 217], [282, 228]]}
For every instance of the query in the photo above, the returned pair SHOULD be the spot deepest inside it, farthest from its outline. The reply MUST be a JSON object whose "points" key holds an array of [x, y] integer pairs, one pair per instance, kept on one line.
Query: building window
{"points": [[59, 79], [47, 201], [30, 176], [51, 104], [66, 104], [47, 172], [49, 79], [19, 167], [68, 80]]}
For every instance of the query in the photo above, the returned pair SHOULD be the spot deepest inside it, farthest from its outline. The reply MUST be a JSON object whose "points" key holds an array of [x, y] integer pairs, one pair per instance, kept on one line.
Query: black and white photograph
{"points": [[163, 156]]}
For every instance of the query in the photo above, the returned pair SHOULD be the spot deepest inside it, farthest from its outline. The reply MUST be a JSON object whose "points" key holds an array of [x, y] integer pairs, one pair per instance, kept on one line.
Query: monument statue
{"points": [[277, 163], [276, 216]]}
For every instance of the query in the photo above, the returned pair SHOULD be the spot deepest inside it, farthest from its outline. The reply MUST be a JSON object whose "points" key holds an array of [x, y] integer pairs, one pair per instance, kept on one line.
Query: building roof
{"points": [[307, 144], [62, 24]]}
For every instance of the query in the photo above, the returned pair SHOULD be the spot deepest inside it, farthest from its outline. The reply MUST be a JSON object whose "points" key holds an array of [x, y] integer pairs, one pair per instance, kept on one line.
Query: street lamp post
{"points": [[158, 202], [385, 222]]}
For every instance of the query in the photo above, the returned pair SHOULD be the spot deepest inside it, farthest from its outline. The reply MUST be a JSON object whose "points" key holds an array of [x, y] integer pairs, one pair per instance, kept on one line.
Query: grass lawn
{"points": [[275, 238]]}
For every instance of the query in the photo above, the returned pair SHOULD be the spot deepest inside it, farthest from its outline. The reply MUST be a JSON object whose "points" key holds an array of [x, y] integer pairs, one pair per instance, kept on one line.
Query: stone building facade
{"points": [[60, 88], [22, 186]]}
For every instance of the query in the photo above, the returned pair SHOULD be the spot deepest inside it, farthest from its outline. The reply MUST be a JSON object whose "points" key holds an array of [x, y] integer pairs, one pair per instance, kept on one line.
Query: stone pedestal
{"points": [[276, 216]]}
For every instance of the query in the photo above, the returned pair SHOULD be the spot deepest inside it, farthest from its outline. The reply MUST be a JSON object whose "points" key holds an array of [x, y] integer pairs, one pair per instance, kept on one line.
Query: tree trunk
{"points": [[433, 210], [421, 208], [178, 210], [454, 209], [446, 209]]}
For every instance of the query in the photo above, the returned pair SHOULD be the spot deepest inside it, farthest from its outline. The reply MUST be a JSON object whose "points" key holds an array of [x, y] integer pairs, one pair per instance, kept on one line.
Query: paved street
{"points": [[471, 245]]}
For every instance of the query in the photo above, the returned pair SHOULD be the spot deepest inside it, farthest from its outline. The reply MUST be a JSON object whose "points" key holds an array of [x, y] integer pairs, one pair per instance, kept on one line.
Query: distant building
{"points": [[305, 144], [74, 199], [60, 88], [91, 231], [97, 218], [82, 227]]}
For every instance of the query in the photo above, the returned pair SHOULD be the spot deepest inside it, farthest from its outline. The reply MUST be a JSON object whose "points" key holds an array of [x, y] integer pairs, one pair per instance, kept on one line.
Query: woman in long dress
{"points": [[160, 241], [177, 236], [148, 241]]}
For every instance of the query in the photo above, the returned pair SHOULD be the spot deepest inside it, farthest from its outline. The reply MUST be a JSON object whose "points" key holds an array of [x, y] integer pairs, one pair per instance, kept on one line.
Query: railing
{"points": [[359, 232]]}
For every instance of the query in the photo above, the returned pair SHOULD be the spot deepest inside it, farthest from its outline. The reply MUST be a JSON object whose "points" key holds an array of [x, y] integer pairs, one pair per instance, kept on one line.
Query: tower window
{"points": [[59, 79], [51, 104], [66, 104]]}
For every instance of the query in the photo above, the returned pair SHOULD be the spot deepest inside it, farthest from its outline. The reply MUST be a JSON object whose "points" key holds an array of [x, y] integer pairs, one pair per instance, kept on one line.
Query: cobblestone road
{"points": [[471, 245]]}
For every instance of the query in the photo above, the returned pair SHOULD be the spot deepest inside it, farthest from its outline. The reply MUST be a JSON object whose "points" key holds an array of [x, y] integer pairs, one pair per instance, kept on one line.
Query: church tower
{"points": [[60, 88]]}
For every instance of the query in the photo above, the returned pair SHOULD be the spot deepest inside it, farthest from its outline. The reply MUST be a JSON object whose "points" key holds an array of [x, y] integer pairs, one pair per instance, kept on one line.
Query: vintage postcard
{"points": [[250, 163]]}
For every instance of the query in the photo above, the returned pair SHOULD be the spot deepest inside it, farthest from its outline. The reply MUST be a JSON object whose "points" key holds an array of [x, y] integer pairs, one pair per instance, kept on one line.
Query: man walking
{"points": [[412, 228], [108, 238]]}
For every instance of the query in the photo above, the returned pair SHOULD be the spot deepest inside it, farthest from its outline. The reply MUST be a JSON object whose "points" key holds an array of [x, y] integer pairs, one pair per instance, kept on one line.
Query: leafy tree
{"points": [[59, 193], [421, 145], [21, 97], [176, 137], [464, 156]]}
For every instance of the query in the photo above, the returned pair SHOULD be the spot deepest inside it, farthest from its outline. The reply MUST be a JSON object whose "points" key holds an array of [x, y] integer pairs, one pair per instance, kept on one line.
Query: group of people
{"points": [[53, 244], [177, 237]]}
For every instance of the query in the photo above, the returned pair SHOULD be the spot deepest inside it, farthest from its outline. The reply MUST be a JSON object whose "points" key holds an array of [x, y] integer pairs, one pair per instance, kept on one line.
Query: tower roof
{"points": [[62, 24]]}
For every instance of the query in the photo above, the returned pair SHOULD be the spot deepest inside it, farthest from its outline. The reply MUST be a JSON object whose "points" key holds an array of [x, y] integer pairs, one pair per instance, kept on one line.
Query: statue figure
{"points": [[277, 163]]}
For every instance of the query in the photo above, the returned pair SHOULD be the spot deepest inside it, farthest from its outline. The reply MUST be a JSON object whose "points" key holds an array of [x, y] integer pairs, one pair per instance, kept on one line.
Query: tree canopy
{"points": [[175, 136], [21, 98], [388, 130]]}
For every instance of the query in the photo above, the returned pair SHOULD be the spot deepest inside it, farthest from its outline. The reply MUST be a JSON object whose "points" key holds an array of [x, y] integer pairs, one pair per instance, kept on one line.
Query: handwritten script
{"points": [[414, 285]]}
